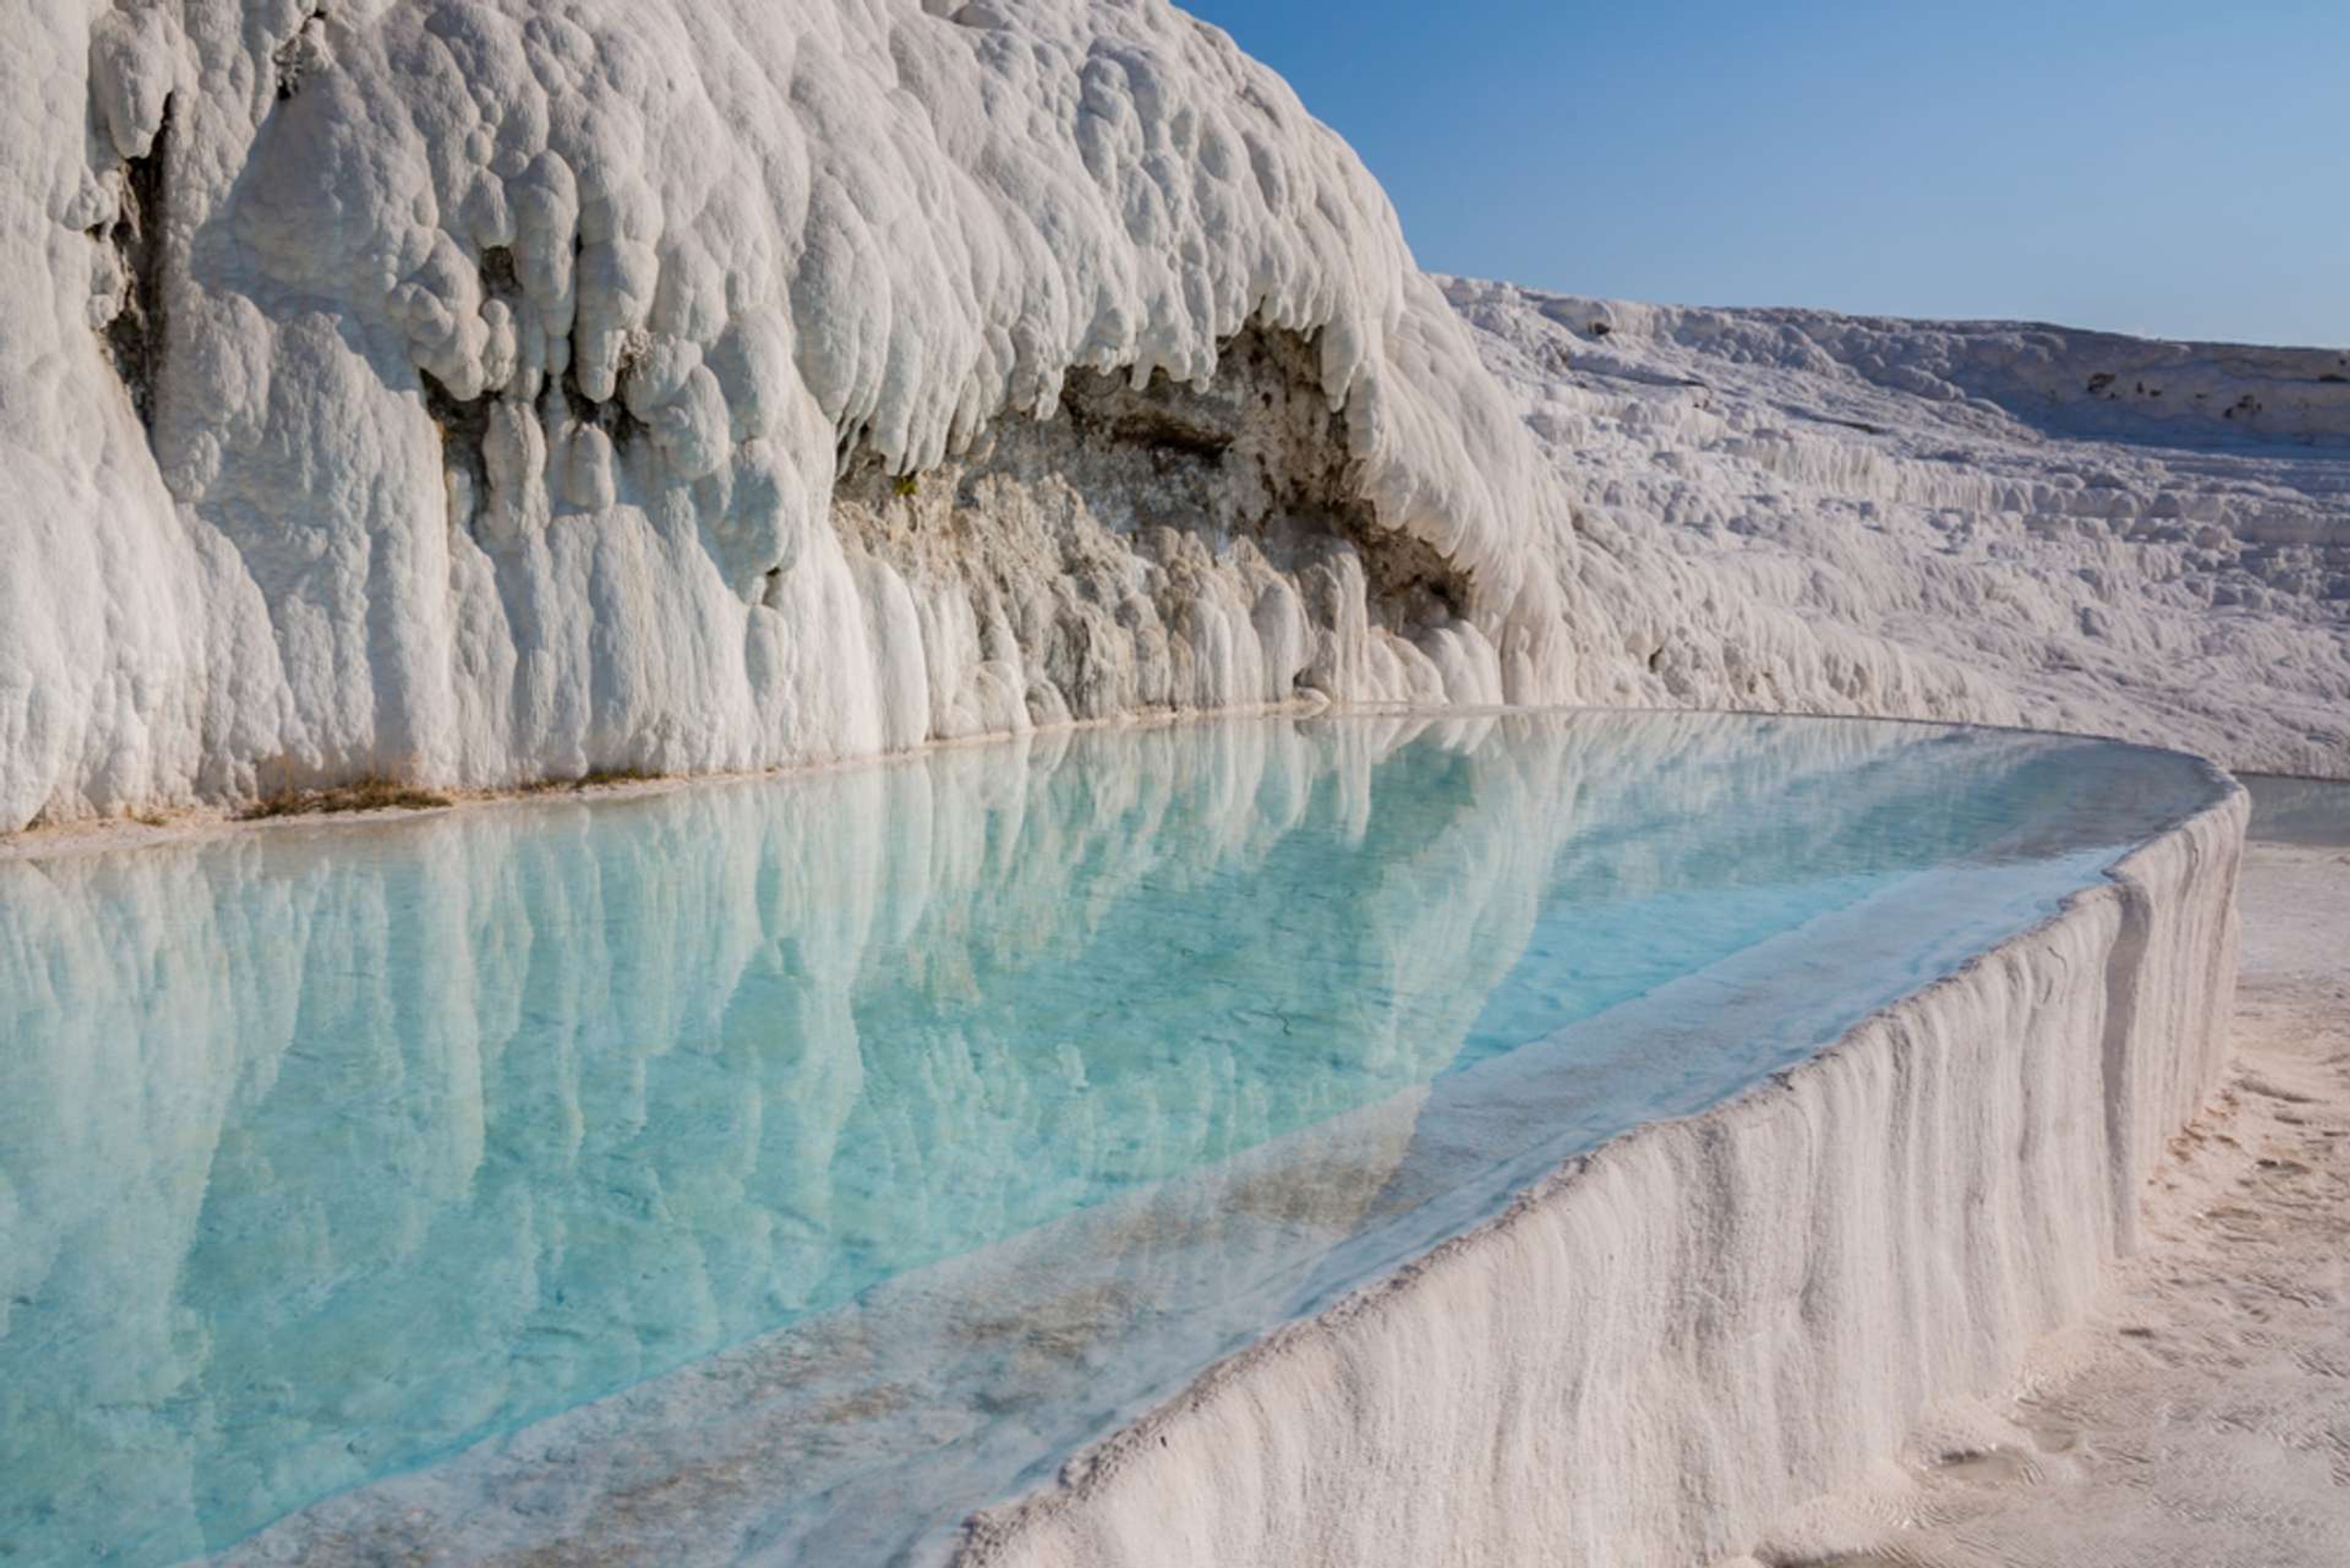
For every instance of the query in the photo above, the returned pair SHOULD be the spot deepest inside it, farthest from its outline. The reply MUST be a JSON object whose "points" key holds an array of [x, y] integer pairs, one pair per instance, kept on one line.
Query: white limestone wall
{"points": [[456, 390], [464, 393], [1705, 1320]]}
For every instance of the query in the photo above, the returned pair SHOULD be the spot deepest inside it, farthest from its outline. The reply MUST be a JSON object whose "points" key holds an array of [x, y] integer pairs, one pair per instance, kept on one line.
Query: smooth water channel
{"points": [[776, 1171]]}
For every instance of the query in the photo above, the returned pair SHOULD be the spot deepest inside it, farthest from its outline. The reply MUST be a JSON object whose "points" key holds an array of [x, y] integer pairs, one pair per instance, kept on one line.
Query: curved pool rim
{"points": [[2183, 875], [988, 1536]]}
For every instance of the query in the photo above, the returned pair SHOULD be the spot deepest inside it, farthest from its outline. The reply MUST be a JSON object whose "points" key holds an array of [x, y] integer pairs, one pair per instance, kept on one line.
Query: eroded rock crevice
{"points": [[134, 332], [301, 55], [464, 427], [611, 416]]}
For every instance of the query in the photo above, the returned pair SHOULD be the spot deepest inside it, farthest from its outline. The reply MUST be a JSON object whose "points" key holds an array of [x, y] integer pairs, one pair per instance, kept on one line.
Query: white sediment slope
{"points": [[2143, 539], [470, 394]]}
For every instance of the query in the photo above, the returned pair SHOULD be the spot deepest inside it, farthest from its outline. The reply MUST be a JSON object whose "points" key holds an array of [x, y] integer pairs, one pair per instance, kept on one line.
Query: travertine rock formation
{"points": [[474, 393], [457, 392], [2141, 539]]}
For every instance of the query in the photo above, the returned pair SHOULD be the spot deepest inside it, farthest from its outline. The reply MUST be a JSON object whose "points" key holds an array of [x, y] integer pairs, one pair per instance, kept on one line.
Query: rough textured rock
{"points": [[456, 391], [472, 393], [1164, 546], [2143, 539]]}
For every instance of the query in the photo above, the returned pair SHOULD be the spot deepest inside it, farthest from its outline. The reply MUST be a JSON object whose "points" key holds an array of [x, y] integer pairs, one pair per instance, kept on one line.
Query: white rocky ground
{"points": [[470, 393], [2135, 538], [2200, 1417]]}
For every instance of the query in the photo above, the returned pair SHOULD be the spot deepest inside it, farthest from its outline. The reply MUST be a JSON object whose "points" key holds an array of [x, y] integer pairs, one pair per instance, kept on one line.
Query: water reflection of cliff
{"points": [[323, 1154]]}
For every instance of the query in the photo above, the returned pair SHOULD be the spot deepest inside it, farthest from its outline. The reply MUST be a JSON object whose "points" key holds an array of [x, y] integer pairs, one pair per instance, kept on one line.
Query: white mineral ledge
{"points": [[1672, 1340]]}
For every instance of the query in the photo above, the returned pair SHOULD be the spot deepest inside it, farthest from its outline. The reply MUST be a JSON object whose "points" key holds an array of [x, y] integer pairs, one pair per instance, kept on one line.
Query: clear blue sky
{"points": [[2179, 168]]}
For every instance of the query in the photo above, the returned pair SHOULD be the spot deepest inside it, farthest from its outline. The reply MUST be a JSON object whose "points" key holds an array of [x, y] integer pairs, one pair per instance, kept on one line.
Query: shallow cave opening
{"points": [[1255, 454], [1154, 420]]}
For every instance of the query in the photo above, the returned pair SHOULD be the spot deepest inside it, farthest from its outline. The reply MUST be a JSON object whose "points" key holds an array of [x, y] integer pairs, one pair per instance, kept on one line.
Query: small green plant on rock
{"points": [[905, 487]]}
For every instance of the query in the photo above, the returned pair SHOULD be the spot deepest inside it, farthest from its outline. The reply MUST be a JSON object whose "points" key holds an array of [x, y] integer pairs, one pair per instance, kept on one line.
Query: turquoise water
{"points": [[2312, 812], [775, 1172]]}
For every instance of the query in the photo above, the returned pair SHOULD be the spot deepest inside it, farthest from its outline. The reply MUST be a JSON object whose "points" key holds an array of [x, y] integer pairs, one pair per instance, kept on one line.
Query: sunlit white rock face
{"points": [[496, 364], [2133, 538], [476, 392]]}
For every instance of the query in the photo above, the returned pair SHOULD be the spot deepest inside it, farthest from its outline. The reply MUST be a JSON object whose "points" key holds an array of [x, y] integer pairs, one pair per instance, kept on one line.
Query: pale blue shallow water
{"points": [[775, 1172], [2313, 813]]}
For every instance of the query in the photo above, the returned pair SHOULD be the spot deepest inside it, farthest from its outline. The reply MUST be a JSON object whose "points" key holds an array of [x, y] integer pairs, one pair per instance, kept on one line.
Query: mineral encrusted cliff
{"points": [[460, 392], [475, 392]]}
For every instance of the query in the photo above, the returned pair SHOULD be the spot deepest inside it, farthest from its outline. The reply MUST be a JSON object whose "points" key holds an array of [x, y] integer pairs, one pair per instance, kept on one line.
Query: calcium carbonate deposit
{"points": [[480, 391], [2144, 539], [469, 394]]}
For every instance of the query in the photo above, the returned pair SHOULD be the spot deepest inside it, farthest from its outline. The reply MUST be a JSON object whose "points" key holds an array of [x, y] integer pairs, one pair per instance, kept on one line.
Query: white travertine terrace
{"points": [[1768, 1287], [483, 390], [1705, 1322], [2149, 540]]}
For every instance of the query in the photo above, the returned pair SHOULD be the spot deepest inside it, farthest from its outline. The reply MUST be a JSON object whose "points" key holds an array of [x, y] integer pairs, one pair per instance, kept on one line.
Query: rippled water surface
{"points": [[775, 1172]]}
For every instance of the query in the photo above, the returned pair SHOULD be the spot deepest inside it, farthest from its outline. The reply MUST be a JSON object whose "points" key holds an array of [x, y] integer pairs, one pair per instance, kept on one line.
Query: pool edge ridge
{"points": [[1671, 1338]]}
